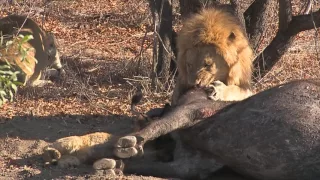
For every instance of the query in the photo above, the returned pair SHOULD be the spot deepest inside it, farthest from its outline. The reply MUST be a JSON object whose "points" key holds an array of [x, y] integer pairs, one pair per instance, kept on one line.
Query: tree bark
{"points": [[188, 7], [256, 21], [279, 45], [162, 48], [285, 14], [239, 10], [165, 40], [154, 6]]}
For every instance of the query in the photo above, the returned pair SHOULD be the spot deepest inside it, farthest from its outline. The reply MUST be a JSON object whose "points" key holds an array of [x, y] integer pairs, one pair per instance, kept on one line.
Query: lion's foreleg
{"points": [[35, 81], [223, 92]]}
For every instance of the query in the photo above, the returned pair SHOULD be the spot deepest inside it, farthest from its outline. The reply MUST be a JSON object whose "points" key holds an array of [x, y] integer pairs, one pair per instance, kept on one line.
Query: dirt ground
{"points": [[100, 42], [23, 138]]}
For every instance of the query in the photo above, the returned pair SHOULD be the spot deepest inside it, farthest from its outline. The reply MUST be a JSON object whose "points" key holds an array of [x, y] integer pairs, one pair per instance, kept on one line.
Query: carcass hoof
{"points": [[127, 147], [126, 142], [108, 167]]}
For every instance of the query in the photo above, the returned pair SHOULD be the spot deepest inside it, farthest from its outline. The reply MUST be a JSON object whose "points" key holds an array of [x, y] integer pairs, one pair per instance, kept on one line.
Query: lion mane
{"points": [[213, 46]]}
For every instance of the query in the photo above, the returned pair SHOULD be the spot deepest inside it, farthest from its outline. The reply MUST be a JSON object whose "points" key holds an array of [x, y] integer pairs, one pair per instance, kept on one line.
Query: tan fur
{"points": [[44, 44], [76, 150], [212, 46], [13, 56]]}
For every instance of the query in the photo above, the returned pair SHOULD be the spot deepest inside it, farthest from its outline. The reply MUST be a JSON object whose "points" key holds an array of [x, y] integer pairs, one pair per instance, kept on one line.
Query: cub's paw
{"points": [[67, 161], [108, 167], [216, 90], [50, 155], [40, 83], [127, 147]]}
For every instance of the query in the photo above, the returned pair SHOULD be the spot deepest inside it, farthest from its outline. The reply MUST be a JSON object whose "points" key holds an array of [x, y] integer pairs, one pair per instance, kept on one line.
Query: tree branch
{"points": [[285, 14], [273, 52], [304, 22]]}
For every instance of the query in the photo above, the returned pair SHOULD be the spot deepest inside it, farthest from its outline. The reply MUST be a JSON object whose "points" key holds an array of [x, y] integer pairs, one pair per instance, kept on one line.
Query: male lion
{"points": [[213, 49], [43, 43]]}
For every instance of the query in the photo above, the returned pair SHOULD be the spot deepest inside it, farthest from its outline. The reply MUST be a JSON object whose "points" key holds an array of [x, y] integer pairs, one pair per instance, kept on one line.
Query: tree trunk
{"points": [[154, 6], [188, 7], [165, 39], [239, 11], [256, 17], [163, 56]]}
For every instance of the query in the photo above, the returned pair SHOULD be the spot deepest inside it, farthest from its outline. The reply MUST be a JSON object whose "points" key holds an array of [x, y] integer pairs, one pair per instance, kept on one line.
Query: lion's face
{"points": [[204, 65]]}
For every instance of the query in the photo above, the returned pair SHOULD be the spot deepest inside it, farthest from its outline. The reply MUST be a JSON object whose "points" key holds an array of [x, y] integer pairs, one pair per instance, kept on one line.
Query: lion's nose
{"points": [[198, 82]]}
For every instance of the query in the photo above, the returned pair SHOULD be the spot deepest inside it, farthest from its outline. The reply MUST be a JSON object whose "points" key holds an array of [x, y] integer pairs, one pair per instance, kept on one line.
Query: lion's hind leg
{"points": [[61, 147], [36, 81], [52, 155]]}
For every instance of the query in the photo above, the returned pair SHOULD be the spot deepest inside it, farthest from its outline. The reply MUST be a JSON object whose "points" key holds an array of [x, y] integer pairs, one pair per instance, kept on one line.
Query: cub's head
{"points": [[50, 47], [213, 46]]}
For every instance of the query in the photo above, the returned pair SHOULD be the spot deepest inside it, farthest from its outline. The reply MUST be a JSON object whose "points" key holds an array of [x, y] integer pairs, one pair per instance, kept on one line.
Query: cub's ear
{"points": [[232, 37]]}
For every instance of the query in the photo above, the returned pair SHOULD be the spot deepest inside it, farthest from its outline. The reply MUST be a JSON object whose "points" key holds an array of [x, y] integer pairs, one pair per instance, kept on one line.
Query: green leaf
{"points": [[18, 83], [11, 96], [25, 38], [2, 67], [8, 43], [14, 87], [6, 72], [1, 39]]}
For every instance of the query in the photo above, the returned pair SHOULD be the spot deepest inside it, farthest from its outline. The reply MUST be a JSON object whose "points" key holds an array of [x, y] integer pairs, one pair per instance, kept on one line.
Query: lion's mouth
{"points": [[204, 81]]}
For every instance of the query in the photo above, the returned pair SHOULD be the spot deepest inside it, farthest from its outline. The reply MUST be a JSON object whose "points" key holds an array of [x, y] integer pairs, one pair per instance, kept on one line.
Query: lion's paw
{"points": [[127, 147], [216, 90], [68, 161], [108, 167]]}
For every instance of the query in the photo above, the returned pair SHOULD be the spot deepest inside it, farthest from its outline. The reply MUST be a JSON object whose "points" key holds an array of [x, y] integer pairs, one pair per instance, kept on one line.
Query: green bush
{"points": [[9, 72]]}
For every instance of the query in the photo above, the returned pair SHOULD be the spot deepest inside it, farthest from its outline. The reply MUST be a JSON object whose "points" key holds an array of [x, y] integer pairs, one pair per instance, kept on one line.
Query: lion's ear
{"points": [[232, 37]]}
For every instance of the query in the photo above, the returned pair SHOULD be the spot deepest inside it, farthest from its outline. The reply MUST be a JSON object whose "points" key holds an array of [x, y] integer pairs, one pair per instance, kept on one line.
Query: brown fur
{"points": [[212, 46], [43, 43]]}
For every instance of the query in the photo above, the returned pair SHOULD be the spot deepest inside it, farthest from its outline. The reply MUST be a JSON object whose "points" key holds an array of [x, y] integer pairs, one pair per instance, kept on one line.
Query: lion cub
{"points": [[44, 53], [94, 148], [98, 147], [213, 50]]}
